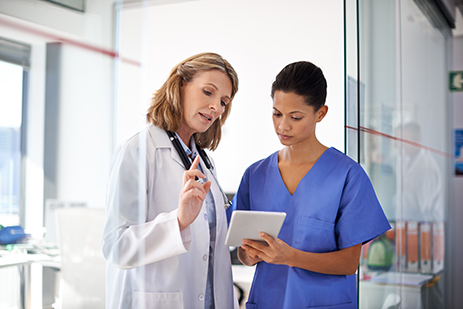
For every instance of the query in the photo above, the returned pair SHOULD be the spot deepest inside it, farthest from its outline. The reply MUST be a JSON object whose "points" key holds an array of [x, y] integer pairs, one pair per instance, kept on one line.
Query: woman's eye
{"points": [[296, 118], [276, 114], [207, 92], [223, 103]]}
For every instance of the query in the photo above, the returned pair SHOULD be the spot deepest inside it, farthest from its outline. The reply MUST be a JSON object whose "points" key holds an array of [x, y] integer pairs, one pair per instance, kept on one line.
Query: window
{"points": [[14, 62]]}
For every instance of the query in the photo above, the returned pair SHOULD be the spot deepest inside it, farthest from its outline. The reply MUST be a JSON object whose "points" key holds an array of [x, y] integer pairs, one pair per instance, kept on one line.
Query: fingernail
{"points": [[261, 234]]}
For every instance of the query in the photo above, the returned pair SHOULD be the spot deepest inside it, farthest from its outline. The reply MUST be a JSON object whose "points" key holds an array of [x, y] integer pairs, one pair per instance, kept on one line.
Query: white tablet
{"points": [[248, 224]]}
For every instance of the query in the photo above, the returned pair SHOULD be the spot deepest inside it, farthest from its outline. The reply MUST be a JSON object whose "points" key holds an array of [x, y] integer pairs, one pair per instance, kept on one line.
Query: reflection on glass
{"points": [[403, 142], [422, 196]]}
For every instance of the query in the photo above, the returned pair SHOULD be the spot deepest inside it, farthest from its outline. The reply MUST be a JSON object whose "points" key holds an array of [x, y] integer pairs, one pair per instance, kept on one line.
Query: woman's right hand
{"points": [[192, 195]]}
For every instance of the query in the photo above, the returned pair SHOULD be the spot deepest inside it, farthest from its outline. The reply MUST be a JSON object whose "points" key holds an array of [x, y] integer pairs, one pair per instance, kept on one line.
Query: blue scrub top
{"points": [[334, 207]]}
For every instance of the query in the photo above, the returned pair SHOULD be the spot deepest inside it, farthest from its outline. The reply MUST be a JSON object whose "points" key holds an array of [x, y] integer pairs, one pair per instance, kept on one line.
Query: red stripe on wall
{"points": [[374, 132], [72, 42]]}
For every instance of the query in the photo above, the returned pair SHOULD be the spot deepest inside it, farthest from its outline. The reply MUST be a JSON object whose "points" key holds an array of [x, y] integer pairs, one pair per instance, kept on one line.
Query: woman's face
{"points": [[293, 119], [204, 100]]}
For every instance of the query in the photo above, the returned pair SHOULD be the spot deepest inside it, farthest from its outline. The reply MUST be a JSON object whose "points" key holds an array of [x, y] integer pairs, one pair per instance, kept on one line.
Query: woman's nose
{"points": [[284, 125], [216, 106]]}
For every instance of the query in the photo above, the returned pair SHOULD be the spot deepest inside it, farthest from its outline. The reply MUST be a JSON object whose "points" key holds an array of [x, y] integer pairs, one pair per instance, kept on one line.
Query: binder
{"points": [[425, 247], [412, 246], [390, 234], [400, 242], [438, 244]]}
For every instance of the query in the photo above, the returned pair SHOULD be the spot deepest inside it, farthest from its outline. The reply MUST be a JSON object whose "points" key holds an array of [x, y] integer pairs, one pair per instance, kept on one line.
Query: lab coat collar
{"points": [[161, 140]]}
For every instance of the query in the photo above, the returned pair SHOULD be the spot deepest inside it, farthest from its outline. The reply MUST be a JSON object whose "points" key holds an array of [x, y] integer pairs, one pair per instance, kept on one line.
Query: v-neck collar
{"points": [[282, 183]]}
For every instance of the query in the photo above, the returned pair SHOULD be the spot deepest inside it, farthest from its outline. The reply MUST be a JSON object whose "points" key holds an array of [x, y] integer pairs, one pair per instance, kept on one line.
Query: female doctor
{"points": [[165, 230], [329, 201]]}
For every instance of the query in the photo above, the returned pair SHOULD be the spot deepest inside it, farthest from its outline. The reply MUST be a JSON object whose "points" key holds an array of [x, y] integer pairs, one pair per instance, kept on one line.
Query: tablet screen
{"points": [[248, 224]]}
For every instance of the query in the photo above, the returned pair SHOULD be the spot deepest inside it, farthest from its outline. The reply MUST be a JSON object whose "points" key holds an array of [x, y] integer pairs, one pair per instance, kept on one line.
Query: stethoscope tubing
{"points": [[187, 164]]}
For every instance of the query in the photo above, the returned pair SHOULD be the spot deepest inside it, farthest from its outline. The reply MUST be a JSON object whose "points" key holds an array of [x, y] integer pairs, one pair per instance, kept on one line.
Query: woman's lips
{"points": [[282, 136], [206, 116]]}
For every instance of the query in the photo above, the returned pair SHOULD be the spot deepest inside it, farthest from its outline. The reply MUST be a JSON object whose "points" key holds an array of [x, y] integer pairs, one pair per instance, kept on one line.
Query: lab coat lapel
{"points": [[161, 140]]}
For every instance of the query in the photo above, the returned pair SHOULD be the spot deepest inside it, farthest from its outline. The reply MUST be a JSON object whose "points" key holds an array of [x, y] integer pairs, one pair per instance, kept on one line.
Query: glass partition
{"points": [[399, 129]]}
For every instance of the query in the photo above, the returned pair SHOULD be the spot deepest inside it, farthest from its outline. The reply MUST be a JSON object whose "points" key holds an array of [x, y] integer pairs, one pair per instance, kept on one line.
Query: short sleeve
{"points": [[241, 199], [360, 217]]}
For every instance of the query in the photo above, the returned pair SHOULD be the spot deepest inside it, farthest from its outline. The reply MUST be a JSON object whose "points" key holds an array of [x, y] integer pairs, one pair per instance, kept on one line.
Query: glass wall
{"points": [[398, 128], [65, 158]]}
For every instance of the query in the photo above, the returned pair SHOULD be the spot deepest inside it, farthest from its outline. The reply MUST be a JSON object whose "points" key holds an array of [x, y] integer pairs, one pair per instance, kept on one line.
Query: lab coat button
{"points": [[201, 297], [205, 257]]}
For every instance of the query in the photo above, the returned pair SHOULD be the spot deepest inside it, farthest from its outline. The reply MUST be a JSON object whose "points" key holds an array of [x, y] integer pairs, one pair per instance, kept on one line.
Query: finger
{"points": [[192, 184], [255, 244], [207, 186], [191, 174], [269, 239], [251, 252], [193, 194], [195, 163]]}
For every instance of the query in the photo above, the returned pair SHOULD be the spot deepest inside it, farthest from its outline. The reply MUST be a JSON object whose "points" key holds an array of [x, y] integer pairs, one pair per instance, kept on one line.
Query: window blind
{"points": [[15, 52]]}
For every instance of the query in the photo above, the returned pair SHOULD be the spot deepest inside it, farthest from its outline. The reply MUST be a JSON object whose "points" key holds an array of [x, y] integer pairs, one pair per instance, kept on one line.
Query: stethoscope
{"points": [[187, 164]]}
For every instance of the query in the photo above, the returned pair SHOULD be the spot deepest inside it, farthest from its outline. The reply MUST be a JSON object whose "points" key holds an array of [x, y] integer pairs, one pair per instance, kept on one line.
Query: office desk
{"points": [[23, 262], [410, 288]]}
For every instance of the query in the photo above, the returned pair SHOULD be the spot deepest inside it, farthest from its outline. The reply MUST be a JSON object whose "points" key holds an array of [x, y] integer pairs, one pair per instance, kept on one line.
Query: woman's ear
{"points": [[321, 113]]}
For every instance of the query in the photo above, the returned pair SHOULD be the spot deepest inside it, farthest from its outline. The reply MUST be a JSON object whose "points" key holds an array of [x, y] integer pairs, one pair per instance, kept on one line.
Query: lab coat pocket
{"points": [[173, 300]]}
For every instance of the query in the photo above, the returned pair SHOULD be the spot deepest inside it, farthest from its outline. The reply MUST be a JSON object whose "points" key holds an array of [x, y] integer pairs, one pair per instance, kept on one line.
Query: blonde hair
{"points": [[166, 109]]}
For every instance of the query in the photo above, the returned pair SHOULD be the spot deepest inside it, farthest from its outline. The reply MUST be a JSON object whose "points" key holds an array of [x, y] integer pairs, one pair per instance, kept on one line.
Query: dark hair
{"points": [[305, 79]]}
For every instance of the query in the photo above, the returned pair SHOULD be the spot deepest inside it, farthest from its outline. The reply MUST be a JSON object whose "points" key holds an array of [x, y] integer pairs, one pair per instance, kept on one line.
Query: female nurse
{"points": [[165, 231], [330, 204]]}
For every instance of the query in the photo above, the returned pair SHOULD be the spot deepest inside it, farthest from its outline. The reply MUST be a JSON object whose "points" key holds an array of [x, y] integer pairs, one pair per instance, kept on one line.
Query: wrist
{"points": [[292, 257], [180, 225]]}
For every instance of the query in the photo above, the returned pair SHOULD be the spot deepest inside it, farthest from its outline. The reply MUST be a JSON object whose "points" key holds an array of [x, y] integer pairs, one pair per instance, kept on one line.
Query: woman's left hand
{"points": [[274, 252]]}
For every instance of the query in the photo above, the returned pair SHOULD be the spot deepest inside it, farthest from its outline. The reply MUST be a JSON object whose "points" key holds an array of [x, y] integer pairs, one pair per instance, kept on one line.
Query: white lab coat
{"points": [[422, 197], [151, 263]]}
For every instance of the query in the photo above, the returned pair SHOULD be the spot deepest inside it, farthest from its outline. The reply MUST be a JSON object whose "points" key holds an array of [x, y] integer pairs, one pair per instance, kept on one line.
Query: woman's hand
{"points": [[272, 251], [248, 259], [192, 195], [339, 262]]}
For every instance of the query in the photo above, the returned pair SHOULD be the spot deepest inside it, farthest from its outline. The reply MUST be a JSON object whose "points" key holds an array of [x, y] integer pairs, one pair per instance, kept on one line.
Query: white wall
{"points": [[258, 38]]}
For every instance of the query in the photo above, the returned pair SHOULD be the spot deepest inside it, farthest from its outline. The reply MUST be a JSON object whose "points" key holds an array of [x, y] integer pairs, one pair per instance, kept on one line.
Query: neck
{"points": [[302, 152], [185, 136]]}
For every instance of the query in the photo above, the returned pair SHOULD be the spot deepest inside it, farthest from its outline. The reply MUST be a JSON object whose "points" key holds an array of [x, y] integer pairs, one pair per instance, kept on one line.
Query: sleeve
{"points": [[360, 217], [241, 200], [128, 240]]}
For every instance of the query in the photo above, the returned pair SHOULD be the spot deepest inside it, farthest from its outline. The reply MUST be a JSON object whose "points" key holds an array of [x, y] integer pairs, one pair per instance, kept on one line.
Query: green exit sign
{"points": [[456, 81]]}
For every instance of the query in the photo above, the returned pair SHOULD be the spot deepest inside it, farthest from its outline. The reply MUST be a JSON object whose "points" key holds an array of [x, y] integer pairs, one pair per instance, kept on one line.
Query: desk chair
{"points": [[83, 267]]}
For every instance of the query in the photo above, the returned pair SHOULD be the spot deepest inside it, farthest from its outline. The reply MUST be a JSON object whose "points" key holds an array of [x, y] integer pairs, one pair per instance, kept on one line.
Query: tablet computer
{"points": [[248, 224]]}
